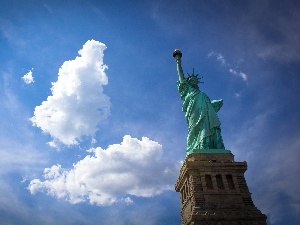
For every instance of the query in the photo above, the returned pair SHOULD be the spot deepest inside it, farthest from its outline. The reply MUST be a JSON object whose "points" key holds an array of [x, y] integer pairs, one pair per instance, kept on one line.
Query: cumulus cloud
{"points": [[77, 104], [106, 176], [219, 57], [28, 78]]}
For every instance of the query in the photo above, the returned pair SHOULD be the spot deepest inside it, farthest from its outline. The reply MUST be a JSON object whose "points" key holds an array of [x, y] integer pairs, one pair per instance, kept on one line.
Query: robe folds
{"points": [[204, 130]]}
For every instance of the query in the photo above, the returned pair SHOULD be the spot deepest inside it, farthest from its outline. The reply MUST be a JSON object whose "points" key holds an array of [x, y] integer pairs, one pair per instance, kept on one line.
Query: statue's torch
{"points": [[177, 55]]}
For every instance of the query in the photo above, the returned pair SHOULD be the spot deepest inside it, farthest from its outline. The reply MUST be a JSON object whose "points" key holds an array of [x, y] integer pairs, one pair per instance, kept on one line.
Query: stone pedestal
{"points": [[213, 191]]}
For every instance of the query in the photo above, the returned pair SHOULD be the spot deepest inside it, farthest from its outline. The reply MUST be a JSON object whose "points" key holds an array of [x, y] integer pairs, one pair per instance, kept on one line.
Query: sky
{"points": [[92, 130]]}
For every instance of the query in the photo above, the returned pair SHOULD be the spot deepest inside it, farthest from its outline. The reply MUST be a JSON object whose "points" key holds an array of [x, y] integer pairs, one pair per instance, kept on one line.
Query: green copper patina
{"points": [[204, 132]]}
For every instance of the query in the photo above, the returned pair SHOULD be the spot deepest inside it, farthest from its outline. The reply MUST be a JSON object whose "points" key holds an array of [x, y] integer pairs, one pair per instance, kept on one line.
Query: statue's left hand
{"points": [[217, 104]]}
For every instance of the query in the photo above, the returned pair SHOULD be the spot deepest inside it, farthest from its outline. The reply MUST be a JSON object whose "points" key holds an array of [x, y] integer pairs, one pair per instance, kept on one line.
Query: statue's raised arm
{"points": [[177, 55], [204, 131]]}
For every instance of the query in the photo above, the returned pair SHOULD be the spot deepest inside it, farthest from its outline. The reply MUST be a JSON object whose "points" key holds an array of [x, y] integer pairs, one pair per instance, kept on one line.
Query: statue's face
{"points": [[193, 81]]}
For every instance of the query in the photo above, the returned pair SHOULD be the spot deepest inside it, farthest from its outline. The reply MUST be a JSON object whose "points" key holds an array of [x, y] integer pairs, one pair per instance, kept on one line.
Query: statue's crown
{"points": [[194, 77]]}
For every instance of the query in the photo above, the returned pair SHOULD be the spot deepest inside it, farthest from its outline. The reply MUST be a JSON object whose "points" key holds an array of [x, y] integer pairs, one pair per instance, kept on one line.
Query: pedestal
{"points": [[213, 191]]}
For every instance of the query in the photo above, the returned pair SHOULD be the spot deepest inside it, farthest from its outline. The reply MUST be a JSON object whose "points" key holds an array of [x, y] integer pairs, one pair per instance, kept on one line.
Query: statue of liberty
{"points": [[204, 131]]}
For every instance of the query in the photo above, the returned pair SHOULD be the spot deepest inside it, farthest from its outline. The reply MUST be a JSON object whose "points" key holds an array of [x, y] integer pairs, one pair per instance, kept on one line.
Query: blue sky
{"points": [[92, 130]]}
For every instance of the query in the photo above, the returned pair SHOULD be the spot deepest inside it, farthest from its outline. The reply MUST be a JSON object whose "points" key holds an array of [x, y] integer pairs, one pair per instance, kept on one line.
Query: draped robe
{"points": [[204, 130]]}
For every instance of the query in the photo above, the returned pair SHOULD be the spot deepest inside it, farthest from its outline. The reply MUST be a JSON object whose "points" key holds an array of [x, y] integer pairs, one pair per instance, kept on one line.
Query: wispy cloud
{"points": [[17, 149], [273, 167], [276, 35], [77, 104], [219, 57], [282, 163], [28, 78], [132, 168], [11, 33], [48, 8]]}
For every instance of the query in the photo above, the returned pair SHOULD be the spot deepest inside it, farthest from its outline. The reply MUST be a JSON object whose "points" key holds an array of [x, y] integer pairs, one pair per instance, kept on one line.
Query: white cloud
{"points": [[219, 57], [28, 78], [132, 168], [128, 201], [240, 74], [77, 104], [237, 95], [223, 62]]}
